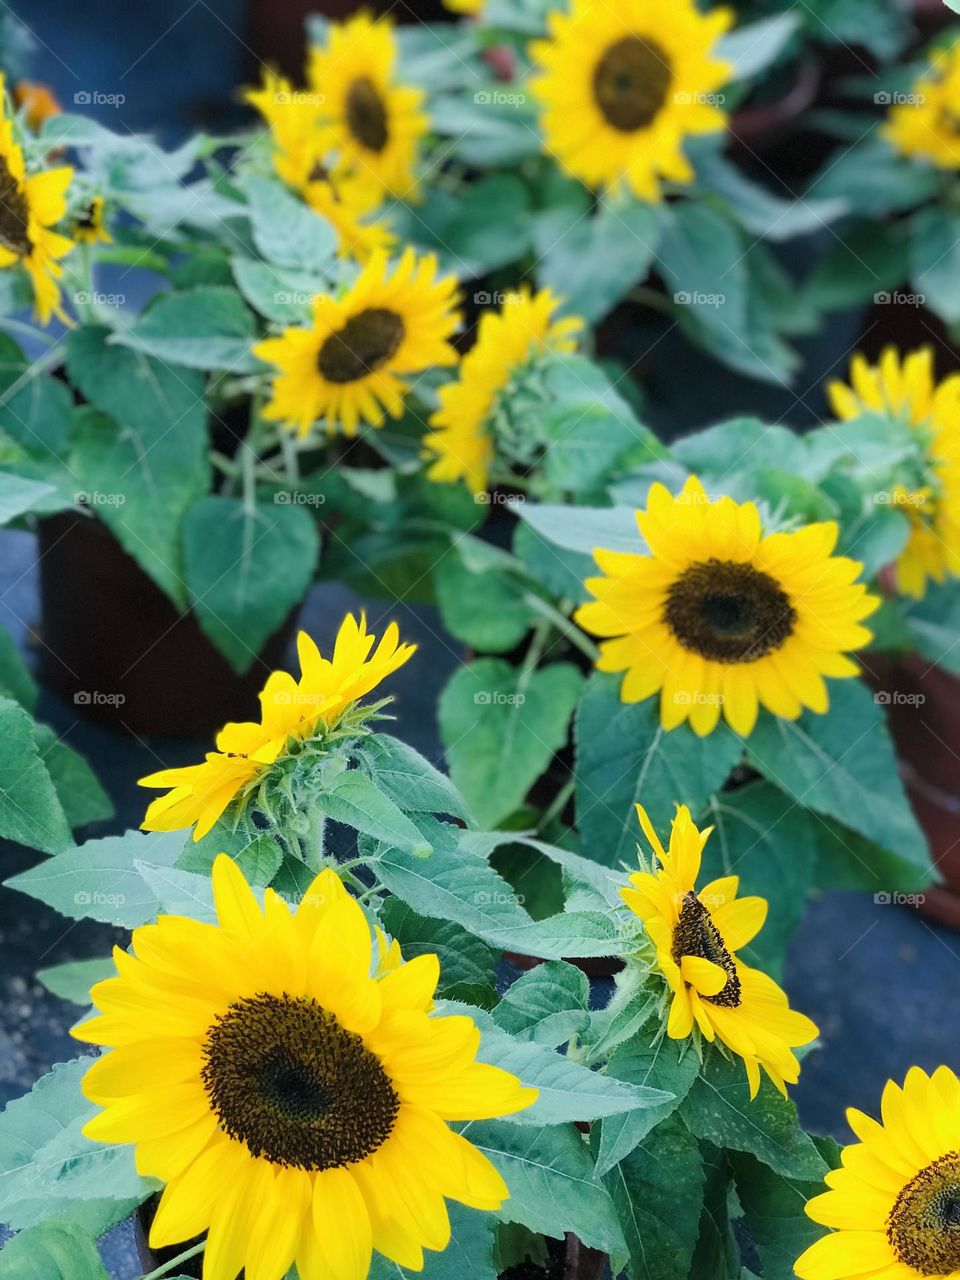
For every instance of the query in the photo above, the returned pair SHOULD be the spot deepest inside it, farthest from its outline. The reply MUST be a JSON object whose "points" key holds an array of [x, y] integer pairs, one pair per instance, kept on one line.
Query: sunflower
{"points": [[926, 124], [696, 936], [623, 85], [469, 7], [373, 123], [299, 160], [294, 1096], [723, 616], [907, 389], [291, 712], [89, 226], [895, 1202], [462, 440], [345, 368], [29, 207]]}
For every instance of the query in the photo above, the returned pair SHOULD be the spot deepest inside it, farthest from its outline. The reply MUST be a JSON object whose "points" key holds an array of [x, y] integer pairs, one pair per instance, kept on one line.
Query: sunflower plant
{"points": [[309, 1063]]}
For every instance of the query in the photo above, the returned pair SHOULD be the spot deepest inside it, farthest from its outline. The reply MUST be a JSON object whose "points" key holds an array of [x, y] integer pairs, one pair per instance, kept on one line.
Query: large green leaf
{"points": [[52, 1251], [246, 568], [72, 981], [140, 479], [209, 327], [408, 779], [935, 260], [553, 1187], [285, 230], [773, 1208], [16, 682], [466, 963], [18, 495], [842, 764], [658, 1194], [549, 1004], [501, 727], [719, 1109], [484, 607], [80, 794], [30, 811], [624, 757], [468, 1256]]}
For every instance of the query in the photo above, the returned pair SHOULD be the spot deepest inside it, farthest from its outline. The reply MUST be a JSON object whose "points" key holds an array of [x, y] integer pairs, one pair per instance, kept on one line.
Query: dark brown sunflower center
{"points": [[362, 346], [14, 214], [695, 934], [631, 82], [367, 114], [924, 1224], [285, 1078], [729, 612]]}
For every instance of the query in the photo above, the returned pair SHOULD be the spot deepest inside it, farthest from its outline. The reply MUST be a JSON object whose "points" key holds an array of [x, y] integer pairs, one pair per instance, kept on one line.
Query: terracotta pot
{"points": [[923, 706], [115, 646]]}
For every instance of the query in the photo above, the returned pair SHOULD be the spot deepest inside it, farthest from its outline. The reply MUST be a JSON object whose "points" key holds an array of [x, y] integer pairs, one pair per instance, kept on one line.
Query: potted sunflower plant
{"points": [[304, 1055]]}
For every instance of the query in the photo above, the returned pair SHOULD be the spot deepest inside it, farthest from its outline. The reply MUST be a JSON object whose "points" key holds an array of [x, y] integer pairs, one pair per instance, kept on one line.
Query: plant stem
{"points": [[563, 624], [175, 1262]]}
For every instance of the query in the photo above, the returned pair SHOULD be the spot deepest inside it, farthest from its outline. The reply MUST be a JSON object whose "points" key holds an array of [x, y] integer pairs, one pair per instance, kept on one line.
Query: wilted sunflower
{"points": [[926, 123], [462, 438], [697, 934], [346, 368], [907, 389], [292, 711], [29, 208], [300, 161], [293, 1094], [373, 123], [720, 616], [895, 1203], [622, 86]]}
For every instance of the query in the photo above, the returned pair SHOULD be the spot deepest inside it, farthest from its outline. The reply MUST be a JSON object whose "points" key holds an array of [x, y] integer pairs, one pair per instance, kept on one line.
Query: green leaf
{"points": [[560, 571], [701, 259], [80, 794], [466, 963], [658, 1194], [141, 481], [468, 1256], [30, 811], [753, 46], [486, 609], [409, 779], [717, 1254], [37, 416], [719, 1109], [623, 757], [18, 495], [72, 981], [935, 261], [52, 1251], [209, 327], [553, 1188], [934, 624], [357, 801], [774, 1211], [100, 881], [246, 569], [285, 230], [16, 682], [279, 294], [842, 764], [763, 837], [593, 262], [484, 227], [584, 529], [548, 1005], [179, 893], [668, 1065], [501, 727]]}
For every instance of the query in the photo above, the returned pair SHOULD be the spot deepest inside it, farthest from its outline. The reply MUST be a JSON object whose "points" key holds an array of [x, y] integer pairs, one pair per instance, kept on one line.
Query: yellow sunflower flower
{"points": [[292, 711], [295, 1100], [299, 160], [462, 440], [895, 1202], [906, 388], [29, 208], [374, 124], [623, 85], [469, 7], [697, 935], [926, 123], [721, 616], [89, 226], [346, 368]]}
